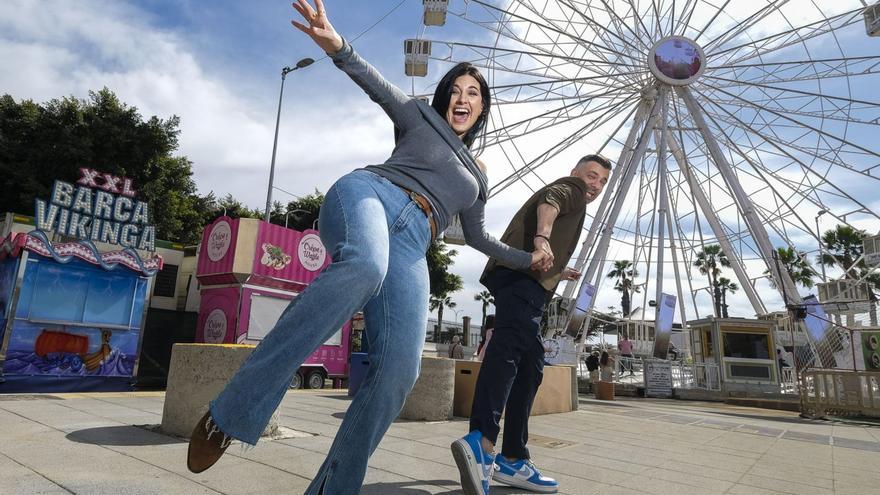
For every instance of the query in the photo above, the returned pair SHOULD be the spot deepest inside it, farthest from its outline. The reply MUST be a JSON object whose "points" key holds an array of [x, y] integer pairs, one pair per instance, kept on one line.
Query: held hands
{"points": [[543, 245], [539, 261], [542, 256], [319, 28]]}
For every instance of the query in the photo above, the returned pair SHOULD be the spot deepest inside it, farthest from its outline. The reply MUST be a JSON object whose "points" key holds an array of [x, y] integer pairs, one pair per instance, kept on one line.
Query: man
{"points": [[513, 366]]}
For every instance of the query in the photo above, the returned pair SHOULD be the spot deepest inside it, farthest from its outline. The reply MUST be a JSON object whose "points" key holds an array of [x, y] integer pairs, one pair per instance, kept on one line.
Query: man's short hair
{"points": [[601, 160]]}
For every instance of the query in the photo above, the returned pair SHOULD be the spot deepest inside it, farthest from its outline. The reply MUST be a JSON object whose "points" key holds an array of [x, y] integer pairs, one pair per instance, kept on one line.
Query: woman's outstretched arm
{"points": [[397, 105]]}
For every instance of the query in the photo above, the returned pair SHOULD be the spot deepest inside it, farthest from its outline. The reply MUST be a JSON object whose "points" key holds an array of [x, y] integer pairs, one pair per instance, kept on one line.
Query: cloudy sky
{"points": [[217, 66]]}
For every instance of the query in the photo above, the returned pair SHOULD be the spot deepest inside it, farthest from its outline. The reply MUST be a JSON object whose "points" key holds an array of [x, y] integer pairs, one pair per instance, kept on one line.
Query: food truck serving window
{"points": [[77, 293], [265, 312], [746, 345]]}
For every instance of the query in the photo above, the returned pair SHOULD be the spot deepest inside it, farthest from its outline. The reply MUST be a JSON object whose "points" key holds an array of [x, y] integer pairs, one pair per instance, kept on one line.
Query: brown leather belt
{"points": [[425, 206]]}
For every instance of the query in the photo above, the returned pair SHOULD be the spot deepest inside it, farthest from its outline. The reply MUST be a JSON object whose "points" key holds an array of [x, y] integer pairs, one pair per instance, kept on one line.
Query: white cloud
{"points": [[328, 126]]}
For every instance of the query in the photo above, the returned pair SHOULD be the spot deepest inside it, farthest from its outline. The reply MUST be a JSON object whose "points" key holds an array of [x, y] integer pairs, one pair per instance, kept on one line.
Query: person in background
{"points": [[489, 325], [781, 359], [606, 373], [625, 346], [673, 351], [456, 350], [593, 369]]}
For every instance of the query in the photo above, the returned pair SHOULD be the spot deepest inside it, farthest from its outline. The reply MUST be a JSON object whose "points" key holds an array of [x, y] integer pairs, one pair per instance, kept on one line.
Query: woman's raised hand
{"points": [[319, 27]]}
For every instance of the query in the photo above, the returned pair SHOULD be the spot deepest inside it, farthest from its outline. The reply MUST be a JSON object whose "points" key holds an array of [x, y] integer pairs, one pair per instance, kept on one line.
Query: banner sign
{"points": [[99, 208], [658, 378], [818, 326], [663, 325], [581, 307]]}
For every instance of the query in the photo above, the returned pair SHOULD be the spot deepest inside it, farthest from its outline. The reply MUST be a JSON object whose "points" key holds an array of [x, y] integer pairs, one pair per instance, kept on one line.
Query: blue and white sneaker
{"points": [[474, 464], [523, 474]]}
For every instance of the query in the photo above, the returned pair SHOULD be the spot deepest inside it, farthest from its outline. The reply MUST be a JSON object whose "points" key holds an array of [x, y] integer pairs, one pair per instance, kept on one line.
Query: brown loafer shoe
{"points": [[206, 444]]}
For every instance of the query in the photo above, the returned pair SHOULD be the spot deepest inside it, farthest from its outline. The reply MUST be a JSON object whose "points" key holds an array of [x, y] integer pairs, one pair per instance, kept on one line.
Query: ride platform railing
{"points": [[840, 392]]}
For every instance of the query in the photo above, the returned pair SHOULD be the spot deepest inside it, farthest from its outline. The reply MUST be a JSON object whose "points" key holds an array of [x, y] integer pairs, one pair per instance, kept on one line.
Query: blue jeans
{"points": [[378, 238]]}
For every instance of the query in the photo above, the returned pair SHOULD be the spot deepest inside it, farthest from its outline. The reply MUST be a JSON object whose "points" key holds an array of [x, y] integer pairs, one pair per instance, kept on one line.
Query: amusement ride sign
{"points": [[100, 208]]}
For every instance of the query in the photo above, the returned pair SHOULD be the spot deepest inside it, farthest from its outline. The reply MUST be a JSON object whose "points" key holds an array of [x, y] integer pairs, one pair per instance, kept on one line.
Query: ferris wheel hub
{"points": [[677, 60]]}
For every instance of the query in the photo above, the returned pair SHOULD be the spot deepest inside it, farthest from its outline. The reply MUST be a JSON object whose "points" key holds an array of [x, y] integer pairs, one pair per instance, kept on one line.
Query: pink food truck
{"points": [[249, 271]]}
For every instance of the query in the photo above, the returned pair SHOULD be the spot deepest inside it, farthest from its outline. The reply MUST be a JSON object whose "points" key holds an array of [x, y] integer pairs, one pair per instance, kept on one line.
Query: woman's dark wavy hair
{"points": [[442, 94]]}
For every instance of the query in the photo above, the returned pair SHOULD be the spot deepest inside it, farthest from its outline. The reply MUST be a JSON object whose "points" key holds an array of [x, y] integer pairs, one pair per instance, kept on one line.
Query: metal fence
{"points": [[840, 392], [630, 371]]}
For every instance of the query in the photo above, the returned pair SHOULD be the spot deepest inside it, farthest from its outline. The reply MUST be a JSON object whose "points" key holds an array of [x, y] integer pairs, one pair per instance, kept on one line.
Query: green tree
{"points": [[797, 266], [41, 143], [843, 246], [439, 303], [485, 298], [439, 259], [300, 214], [709, 261], [726, 285], [624, 273]]}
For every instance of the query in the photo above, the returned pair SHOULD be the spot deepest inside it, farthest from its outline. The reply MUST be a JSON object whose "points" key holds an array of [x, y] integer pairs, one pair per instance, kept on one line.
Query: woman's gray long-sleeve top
{"points": [[425, 161]]}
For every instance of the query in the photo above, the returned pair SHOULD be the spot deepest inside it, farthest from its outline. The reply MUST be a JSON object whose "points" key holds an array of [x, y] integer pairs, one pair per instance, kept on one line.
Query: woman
{"points": [[378, 223], [606, 371]]}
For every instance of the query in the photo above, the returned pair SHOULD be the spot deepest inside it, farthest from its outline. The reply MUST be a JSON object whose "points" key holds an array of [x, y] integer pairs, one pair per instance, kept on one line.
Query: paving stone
{"points": [[856, 444], [760, 430], [638, 446], [807, 437]]}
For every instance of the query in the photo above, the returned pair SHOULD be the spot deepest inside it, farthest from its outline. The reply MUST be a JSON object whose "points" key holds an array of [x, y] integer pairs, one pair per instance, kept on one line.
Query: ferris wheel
{"points": [[737, 123]]}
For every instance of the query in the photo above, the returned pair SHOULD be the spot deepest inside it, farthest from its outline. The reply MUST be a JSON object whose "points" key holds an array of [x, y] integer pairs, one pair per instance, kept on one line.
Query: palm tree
{"points": [[843, 246], [797, 266], [725, 284], [624, 273], [708, 261], [486, 299], [439, 303]]}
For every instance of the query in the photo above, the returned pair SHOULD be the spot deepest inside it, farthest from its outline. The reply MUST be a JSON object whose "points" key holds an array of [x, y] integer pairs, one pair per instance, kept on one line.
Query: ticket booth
{"points": [[743, 350]]}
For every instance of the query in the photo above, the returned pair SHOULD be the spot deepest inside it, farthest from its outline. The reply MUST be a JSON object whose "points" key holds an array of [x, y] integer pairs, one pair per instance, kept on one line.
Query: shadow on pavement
{"points": [[412, 488], [121, 435], [775, 419]]}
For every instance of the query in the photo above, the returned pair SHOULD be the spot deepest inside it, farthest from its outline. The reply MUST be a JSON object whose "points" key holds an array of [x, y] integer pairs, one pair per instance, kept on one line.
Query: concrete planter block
{"points": [[431, 396], [197, 374]]}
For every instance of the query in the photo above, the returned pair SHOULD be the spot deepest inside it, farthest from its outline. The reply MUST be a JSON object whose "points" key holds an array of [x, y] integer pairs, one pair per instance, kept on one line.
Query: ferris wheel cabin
{"points": [[416, 60], [872, 19], [872, 250], [435, 12]]}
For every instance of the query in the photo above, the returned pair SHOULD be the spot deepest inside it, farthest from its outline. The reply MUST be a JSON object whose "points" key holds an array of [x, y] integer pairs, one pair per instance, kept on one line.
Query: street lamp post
{"points": [[819, 237], [299, 65], [457, 311]]}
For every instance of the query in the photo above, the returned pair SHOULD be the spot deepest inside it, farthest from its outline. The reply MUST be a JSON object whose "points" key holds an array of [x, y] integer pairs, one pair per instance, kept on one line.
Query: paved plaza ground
{"points": [[108, 443]]}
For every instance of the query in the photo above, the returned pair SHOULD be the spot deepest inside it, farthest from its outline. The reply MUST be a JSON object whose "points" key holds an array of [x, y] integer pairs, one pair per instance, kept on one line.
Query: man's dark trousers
{"points": [[513, 366]]}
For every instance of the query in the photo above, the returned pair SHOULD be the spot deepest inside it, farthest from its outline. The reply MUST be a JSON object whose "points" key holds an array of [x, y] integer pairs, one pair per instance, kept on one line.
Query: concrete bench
{"points": [[431, 396], [197, 374], [558, 391]]}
